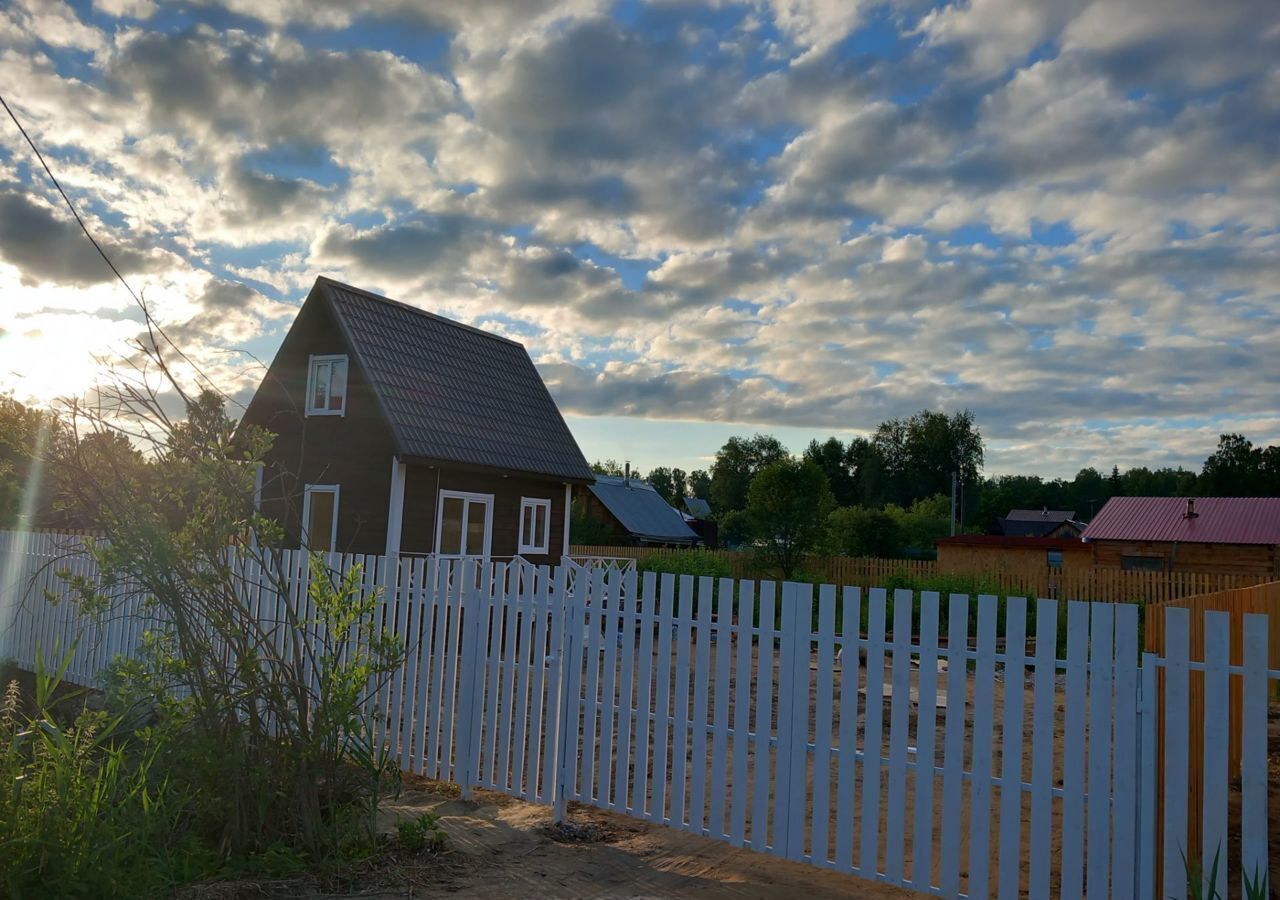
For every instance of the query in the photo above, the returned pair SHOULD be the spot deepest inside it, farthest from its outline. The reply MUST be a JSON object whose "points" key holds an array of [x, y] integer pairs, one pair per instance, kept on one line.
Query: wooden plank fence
{"points": [[1090, 583], [764, 715], [1219, 629]]}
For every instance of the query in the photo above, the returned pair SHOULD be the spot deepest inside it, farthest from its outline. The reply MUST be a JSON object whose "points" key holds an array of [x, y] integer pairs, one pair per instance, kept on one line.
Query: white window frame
{"points": [[310, 489], [312, 362], [465, 496], [535, 503]]}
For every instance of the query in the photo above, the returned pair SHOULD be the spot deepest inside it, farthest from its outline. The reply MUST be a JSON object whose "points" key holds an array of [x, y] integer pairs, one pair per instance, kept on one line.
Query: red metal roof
{"points": [[1218, 520]]}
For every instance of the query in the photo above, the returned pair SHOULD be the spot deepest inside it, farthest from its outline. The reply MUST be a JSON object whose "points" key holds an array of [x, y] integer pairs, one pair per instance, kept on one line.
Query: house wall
{"points": [[1247, 559], [421, 494], [353, 450], [980, 559]]}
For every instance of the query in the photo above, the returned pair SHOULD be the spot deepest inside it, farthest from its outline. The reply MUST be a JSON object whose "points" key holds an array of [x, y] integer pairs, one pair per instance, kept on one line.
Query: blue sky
{"points": [[796, 216]]}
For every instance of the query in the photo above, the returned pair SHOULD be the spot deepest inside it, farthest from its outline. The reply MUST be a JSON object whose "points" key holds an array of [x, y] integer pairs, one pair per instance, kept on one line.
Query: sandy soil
{"points": [[502, 849]]}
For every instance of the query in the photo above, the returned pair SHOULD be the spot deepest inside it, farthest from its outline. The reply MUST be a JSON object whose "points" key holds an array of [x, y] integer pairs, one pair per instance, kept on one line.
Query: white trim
{"points": [[312, 361], [535, 503], [395, 507], [568, 505], [306, 511], [486, 499]]}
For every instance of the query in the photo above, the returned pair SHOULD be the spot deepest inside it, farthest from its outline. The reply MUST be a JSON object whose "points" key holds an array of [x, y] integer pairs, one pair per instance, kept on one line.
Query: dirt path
{"points": [[501, 849]]}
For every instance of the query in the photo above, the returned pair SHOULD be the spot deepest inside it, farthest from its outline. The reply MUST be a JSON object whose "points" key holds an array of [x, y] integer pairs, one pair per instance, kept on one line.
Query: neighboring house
{"points": [[400, 431], [1058, 523], [636, 513], [1174, 534], [697, 507], [983, 553], [698, 515]]}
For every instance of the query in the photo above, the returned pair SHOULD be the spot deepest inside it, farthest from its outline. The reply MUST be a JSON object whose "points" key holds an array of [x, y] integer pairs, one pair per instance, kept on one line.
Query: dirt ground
{"points": [[503, 849]]}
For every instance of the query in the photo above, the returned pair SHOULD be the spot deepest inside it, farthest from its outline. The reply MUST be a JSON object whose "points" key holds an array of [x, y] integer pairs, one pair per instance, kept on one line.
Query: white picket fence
{"points": [[939, 746]]}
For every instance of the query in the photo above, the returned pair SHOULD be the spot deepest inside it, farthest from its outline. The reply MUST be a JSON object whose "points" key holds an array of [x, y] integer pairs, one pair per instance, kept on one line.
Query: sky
{"points": [[794, 216]]}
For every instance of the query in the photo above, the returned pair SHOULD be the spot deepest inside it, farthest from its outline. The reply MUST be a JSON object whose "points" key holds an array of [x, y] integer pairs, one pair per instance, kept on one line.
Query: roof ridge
{"points": [[416, 309]]}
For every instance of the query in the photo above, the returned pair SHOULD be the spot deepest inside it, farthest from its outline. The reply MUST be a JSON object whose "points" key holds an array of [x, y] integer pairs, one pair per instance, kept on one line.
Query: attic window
{"points": [[535, 525], [327, 386]]}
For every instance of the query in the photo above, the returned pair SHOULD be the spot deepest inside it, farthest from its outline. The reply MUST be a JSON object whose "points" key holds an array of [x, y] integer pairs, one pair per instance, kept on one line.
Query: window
{"points": [[464, 524], [327, 386], [320, 517], [535, 525], [1142, 563], [1055, 559]]}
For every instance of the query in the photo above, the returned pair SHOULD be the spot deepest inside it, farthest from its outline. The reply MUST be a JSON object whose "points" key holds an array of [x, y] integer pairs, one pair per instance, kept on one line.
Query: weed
{"points": [[422, 834]]}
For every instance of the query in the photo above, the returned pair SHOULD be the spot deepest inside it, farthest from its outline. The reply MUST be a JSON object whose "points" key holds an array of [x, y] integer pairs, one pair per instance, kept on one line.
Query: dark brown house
{"points": [[399, 431]]}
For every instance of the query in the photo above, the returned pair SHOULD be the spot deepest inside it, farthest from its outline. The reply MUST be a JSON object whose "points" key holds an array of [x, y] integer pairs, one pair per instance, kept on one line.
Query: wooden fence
{"points": [[1262, 599], [1098, 584]]}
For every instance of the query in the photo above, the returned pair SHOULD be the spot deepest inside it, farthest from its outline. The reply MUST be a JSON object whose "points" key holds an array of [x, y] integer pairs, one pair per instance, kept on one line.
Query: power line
{"points": [[67, 200]]}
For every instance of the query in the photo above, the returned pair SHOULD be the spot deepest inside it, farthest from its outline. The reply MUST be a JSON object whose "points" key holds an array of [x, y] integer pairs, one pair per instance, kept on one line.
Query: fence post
{"points": [[474, 608], [569, 677], [791, 792]]}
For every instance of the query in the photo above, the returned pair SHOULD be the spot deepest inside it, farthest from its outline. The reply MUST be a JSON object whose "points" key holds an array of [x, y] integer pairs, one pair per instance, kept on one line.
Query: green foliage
{"points": [[585, 528], [788, 504], [25, 434], [422, 834], [736, 466], [84, 809], [686, 562], [1200, 886], [699, 484], [920, 525], [859, 531]]}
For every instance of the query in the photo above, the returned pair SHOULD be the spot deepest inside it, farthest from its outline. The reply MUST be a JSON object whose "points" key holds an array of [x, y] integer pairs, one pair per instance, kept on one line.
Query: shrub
{"points": [[421, 833], [686, 562]]}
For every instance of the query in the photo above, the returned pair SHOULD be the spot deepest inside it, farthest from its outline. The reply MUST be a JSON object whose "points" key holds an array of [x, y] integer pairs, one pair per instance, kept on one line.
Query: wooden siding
{"points": [[985, 560], [353, 450], [1251, 559], [421, 495]]}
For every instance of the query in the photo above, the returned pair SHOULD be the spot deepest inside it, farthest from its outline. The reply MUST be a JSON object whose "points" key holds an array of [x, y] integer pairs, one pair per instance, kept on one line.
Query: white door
{"points": [[464, 524]]}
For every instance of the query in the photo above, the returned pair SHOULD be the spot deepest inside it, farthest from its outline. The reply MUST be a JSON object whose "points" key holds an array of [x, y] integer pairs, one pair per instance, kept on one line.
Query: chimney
{"points": [[1191, 509], [626, 474]]}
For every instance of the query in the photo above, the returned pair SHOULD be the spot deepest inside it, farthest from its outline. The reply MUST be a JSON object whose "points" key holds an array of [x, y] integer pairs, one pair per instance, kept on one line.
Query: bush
{"points": [[686, 562], [85, 810]]}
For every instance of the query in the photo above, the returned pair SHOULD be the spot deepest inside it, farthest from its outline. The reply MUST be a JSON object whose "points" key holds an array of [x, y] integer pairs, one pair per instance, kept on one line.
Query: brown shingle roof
{"points": [[453, 393]]}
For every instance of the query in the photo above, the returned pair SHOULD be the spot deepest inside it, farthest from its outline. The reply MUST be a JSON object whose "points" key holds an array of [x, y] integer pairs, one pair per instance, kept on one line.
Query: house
{"points": [[698, 516], [400, 431], [636, 513], [986, 553], [1041, 523], [1176, 534]]}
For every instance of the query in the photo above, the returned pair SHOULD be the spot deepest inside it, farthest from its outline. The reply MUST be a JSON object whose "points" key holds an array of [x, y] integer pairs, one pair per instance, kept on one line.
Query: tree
{"points": [[1234, 469], [788, 504], [679, 487], [922, 523], [922, 453], [25, 437], [660, 480], [699, 484], [859, 531], [833, 458], [737, 463]]}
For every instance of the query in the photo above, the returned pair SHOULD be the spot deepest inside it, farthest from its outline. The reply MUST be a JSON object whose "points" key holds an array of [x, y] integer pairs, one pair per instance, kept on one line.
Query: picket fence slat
{"points": [[763, 720], [873, 735], [1008, 885], [1217, 708]]}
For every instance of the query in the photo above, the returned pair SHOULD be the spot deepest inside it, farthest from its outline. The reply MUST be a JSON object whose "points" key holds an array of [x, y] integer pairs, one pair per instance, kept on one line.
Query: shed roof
{"points": [[453, 393], [1041, 515], [642, 511], [698, 507], [1217, 520]]}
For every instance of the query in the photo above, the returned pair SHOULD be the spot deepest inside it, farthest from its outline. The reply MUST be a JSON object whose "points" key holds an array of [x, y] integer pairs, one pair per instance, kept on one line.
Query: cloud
{"points": [[46, 245]]}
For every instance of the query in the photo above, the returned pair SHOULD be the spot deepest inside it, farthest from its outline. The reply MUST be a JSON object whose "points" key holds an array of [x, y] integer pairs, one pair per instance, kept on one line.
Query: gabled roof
{"points": [[453, 393], [1216, 520], [1024, 528], [642, 511], [1041, 515], [698, 508]]}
